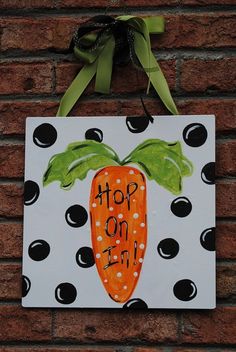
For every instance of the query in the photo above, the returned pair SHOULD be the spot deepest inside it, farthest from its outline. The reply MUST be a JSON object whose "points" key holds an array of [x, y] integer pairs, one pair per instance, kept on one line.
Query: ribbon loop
{"points": [[105, 40], [104, 68]]}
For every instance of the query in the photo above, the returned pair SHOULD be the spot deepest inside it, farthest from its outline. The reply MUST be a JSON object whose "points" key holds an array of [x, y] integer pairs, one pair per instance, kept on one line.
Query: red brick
{"points": [[11, 200], [226, 240], [188, 30], [66, 72], [11, 160], [210, 327], [134, 106], [105, 3], [226, 199], [148, 349], [226, 158], [181, 349], [26, 78], [24, 33], [226, 281], [223, 109], [57, 349], [138, 80], [196, 31], [20, 324], [26, 4], [211, 75], [14, 113], [103, 107], [10, 281], [30, 4], [208, 2], [10, 240], [115, 326]]}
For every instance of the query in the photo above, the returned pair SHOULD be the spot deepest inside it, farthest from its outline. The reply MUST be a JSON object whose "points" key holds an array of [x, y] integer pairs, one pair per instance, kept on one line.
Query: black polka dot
{"points": [[45, 135], [207, 239], [31, 192], [208, 173], [95, 134], [137, 124], [76, 216], [168, 248], [85, 257], [65, 293], [26, 285], [181, 207], [185, 290], [39, 250], [195, 134], [135, 303]]}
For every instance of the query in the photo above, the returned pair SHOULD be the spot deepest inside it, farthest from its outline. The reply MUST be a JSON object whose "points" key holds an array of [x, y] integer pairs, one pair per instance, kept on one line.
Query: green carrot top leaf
{"points": [[161, 161], [77, 160]]}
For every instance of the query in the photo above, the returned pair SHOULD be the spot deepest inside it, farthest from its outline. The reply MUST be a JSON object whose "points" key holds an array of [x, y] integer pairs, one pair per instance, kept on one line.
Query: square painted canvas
{"points": [[119, 212]]}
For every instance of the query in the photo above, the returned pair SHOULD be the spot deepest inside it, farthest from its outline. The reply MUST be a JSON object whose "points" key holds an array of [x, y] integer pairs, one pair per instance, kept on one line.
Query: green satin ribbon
{"points": [[99, 62]]}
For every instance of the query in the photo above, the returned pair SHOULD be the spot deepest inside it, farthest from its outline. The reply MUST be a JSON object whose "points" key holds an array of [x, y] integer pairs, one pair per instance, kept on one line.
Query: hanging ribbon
{"points": [[104, 41]]}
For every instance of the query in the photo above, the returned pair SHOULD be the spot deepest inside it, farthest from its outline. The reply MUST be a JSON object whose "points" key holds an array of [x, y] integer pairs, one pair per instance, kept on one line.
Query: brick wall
{"points": [[198, 56]]}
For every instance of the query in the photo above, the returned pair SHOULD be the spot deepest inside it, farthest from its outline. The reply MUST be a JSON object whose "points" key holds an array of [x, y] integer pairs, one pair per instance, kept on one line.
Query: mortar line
{"points": [[147, 10], [40, 55], [126, 96]]}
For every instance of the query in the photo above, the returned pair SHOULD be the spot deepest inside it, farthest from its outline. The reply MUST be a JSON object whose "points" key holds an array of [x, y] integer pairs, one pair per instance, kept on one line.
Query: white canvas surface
{"points": [[44, 219]]}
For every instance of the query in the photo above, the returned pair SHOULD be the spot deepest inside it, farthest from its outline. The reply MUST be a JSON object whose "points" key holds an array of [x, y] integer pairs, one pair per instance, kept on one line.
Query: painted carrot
{"points": [[118, 211], [119, 228]]}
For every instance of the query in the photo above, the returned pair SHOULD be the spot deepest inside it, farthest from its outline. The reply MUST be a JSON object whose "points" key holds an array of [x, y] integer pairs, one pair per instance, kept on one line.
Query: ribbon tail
{"points": [[76, 88], [104, 68], [157, 78], [155, 24]]}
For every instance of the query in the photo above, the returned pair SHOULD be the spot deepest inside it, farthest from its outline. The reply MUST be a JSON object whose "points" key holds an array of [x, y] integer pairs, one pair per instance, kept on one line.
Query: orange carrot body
{"points": [[119, 228]]}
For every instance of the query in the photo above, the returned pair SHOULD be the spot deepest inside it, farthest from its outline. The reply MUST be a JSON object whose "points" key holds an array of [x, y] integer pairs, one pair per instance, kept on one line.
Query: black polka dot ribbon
{"points": [[103, 41]]}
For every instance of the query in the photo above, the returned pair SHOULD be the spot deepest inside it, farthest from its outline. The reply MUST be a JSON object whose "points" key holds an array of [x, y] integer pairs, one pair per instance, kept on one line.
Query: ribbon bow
{"points": [[105, 40]]}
